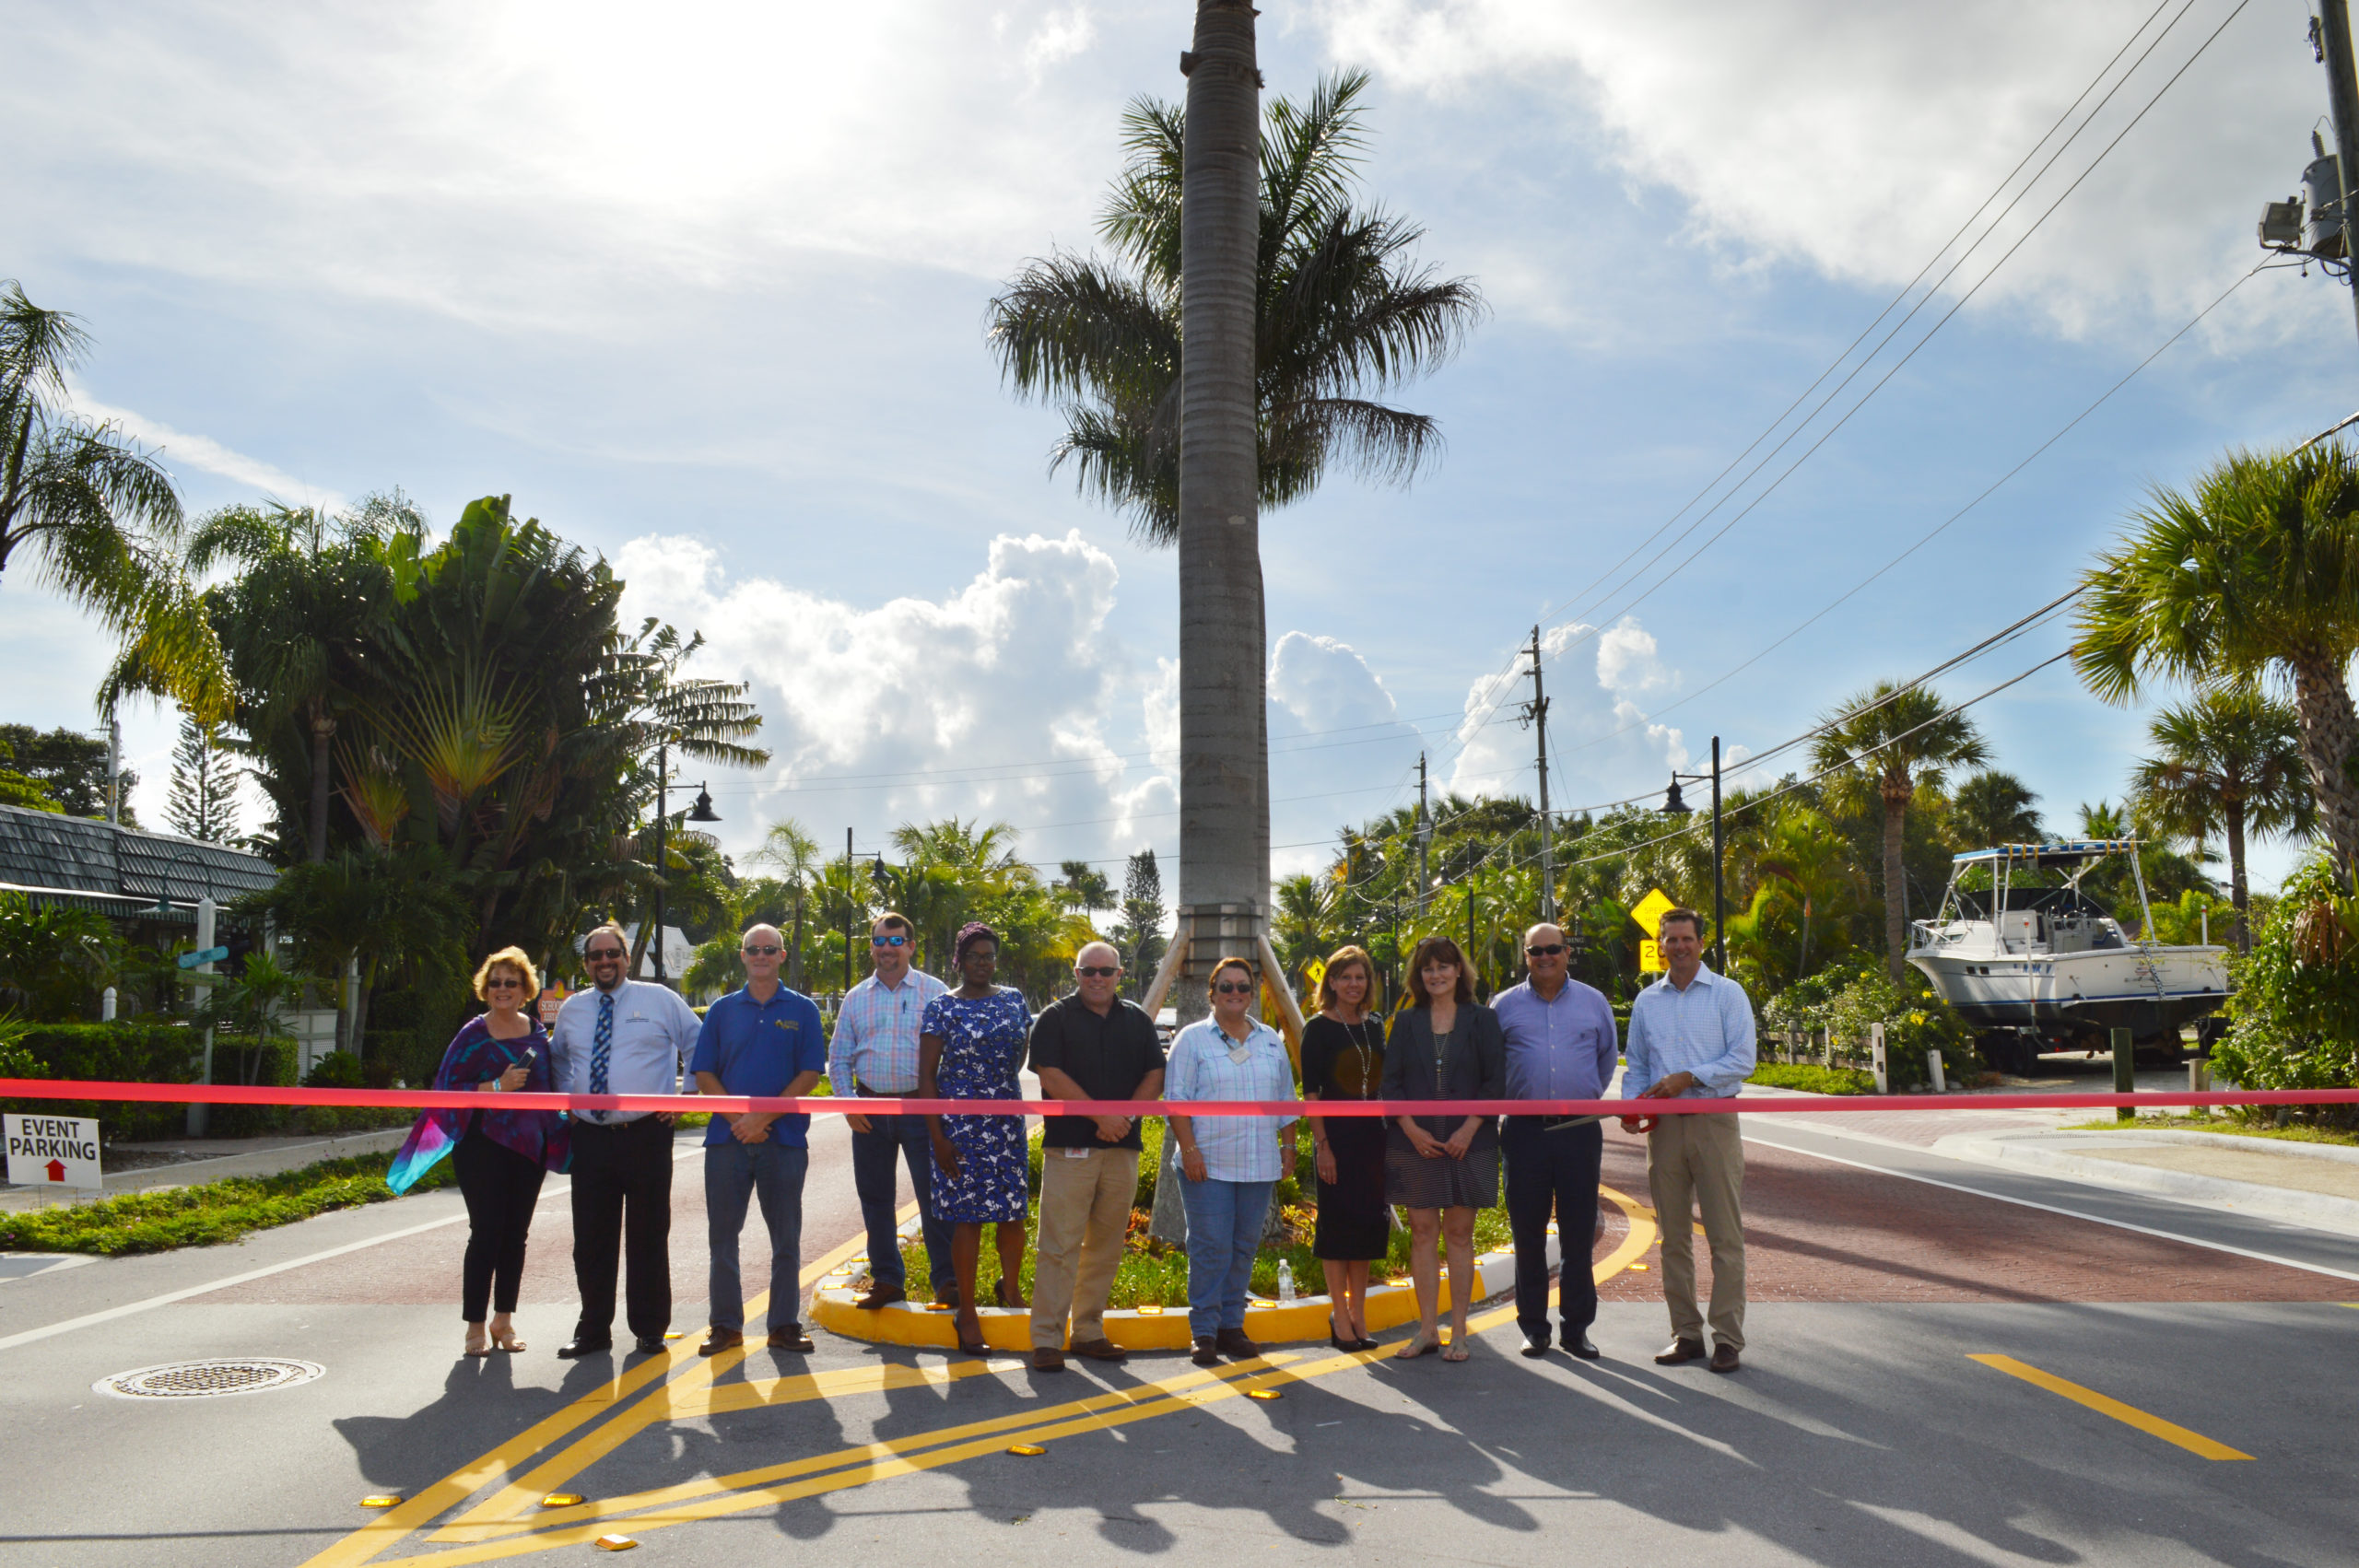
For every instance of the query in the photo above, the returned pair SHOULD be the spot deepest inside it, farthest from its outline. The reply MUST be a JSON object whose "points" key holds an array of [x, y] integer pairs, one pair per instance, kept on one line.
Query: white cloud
{"points": [[1602, 745], [179, 448], [1856, 138], [1326, 684], [994, 702]]}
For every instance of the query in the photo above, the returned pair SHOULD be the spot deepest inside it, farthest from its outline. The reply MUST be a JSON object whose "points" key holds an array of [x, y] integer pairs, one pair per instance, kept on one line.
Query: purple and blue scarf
{"points": [[476, 1057]]}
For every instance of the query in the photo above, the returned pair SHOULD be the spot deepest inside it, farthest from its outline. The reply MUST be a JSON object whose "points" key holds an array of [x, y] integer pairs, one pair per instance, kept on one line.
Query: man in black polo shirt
{"points": [[1091, 1045]]}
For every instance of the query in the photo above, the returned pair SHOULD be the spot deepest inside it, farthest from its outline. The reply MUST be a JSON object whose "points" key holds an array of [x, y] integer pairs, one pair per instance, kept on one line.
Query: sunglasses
{"points": [[604, 955], [888, 941], [1230, 987], [765, 951], [502, 984], [1546, 950], [1098, 971]]}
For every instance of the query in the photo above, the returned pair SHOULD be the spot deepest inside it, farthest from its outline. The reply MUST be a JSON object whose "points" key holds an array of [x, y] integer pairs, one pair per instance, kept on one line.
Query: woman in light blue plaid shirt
{"points": [[1230, 1163]]}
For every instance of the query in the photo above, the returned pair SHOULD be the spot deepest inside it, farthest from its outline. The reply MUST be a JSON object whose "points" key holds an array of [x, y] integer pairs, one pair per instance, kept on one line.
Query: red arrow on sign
{"points": [[56, 1170]]}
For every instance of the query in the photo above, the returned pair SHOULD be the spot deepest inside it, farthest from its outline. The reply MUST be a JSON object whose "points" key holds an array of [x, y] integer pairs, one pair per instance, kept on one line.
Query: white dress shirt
{"points": [[655, 1034]]}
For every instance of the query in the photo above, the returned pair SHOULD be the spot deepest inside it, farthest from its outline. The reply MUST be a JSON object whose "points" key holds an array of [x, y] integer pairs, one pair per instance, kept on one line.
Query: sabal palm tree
{"points": [[795, 854], [101, 514], [1994, 808], [1888, 741], [2254, 572], [2227, 764], [1301, 307]]}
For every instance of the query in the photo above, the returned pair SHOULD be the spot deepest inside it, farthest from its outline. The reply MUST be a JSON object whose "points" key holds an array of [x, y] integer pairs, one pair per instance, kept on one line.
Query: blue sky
{"points": [[705, 293]]}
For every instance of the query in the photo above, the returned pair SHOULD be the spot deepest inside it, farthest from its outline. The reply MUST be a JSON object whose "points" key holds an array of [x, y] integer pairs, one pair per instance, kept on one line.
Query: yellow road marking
{"points": [[2152, 1425], [432, 1502], [515, 1509]]}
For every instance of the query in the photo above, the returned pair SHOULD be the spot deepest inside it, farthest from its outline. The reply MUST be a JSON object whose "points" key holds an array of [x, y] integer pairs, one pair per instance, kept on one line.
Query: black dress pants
{"points": [[622, 1204], [500, 1186], [1553, 1171]]}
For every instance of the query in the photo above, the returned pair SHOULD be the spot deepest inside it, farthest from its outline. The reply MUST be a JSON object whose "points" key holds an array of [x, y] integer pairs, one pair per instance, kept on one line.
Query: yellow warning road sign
{"points": [[1648, 912], [1650, 957]]}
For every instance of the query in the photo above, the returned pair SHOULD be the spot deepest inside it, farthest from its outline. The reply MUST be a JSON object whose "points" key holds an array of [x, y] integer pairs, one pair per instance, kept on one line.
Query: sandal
{"points": [[1417, 1346], [475, 1350], [1458, 1351], [508, 1343]]}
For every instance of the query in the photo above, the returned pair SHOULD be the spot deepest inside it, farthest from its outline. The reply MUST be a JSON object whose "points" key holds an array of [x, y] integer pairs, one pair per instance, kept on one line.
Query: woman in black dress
{"points": [[1446, 1046], [1342, 1059]]}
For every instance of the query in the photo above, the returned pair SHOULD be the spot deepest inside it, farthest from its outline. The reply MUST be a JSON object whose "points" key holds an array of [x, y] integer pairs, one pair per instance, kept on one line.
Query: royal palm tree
{"points": [[2254, 572], [1887, 741], [1301, 306], [101, 514], [795, 855], [1994, 808], [2227, 764]]}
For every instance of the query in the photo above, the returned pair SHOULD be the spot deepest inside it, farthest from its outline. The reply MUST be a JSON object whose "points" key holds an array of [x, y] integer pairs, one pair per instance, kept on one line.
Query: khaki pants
{"points": [[1084, 1213], [1697, 1162]]}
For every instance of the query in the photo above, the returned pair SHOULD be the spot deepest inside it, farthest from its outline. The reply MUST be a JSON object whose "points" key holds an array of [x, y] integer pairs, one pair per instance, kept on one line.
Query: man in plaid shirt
{"points": [[874, 1053]]}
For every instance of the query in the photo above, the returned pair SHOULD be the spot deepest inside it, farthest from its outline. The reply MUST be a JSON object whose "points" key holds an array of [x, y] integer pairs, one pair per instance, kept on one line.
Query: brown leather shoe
{"points": [[879, 1296], [1724, 1358], [719, 1339], [1207, 1351], [1233, 1343], [1099, 1349], [1679, 1352], [792, 1338], [1047, 1359]]}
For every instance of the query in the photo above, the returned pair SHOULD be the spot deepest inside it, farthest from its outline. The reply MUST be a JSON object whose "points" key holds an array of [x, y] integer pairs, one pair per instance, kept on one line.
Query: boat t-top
{"points": [[2035, 963]]}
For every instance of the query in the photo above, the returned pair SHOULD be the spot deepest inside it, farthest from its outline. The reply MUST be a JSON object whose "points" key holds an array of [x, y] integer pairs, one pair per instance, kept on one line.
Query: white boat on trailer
{"points": [[2035, 963]]}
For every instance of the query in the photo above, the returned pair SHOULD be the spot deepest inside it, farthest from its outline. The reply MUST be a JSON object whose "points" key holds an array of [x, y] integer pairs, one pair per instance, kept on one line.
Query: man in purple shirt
{"points": [[1561, 1046]]}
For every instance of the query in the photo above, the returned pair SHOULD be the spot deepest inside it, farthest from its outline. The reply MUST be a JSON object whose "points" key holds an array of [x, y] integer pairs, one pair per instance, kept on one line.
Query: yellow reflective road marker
{"points": [[1264, 1394], [614, 1543], [2128, 1415], [561, 1500], [1027, 1450], [383, 1499]]}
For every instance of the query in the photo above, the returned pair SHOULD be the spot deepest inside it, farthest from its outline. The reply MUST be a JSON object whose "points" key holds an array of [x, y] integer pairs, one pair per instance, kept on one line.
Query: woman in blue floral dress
{"points": [[971, 1044]]}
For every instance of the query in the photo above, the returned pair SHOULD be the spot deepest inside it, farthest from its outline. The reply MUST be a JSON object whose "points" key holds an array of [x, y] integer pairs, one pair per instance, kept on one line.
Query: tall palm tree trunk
{"points": [[1224, 790], [2330, 735], [2237, 892], [322, 731], [1896, 886]]}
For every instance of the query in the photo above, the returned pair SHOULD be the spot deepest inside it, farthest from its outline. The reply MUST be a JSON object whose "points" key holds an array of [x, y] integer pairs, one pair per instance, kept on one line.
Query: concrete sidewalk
{"points": [[2312, 1184]]}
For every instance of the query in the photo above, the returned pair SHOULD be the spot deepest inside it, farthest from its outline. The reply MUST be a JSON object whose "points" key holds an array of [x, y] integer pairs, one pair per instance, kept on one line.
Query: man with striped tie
{"points": [[621, 1037]]}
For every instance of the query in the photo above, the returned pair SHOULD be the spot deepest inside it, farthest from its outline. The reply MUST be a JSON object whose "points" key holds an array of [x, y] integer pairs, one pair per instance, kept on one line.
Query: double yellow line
{"points": [[511, 1522]]}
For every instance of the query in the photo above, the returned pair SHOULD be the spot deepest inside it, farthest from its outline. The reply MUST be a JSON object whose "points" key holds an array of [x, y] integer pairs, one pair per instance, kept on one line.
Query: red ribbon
{"points": [[461, 1099]]}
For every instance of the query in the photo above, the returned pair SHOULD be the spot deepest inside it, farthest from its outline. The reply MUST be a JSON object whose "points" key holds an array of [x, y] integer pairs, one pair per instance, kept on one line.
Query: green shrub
{"points": [[1814, 1080], [118, 1053], [1847, 999], [2297, 1018], [210, 1214]]}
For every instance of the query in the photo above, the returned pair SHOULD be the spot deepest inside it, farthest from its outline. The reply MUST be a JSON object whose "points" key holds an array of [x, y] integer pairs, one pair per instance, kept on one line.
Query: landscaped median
{"points": [[208, 1214]]}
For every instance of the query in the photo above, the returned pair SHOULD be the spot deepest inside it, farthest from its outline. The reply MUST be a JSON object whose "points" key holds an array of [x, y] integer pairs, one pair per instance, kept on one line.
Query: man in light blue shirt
{"points": [[1691, 1037], [1561, 1045], [874, 1053]]}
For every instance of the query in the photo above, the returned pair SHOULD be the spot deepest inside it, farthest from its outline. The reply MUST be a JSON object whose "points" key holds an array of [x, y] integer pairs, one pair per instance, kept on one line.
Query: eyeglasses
{"points": [[1545, 950], [1098, 971], [765, 951], [886, 940], [1229, 987], [502, 983], [601, 955]]}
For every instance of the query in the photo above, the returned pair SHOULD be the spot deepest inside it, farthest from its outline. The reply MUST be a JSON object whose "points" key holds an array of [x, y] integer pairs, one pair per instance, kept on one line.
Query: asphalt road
{"points": [[2128, 1366]]}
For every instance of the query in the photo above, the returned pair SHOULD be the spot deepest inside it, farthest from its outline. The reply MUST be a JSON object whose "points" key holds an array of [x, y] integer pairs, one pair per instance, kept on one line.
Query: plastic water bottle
{"points": [[1285, 1280]]}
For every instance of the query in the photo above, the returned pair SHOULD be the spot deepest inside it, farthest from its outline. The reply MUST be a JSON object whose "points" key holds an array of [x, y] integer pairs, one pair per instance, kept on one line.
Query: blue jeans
{"points": [[904, 1139], [734, 1173], [1224, 1234]]}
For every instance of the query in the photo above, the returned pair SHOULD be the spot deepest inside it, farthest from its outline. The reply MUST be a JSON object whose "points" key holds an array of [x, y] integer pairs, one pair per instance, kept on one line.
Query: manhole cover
{"points": [[206, 1379]]}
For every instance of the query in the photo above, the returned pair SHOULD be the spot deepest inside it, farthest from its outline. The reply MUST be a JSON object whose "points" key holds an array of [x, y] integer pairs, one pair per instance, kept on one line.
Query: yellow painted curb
{"points": [[1010, 1328]]}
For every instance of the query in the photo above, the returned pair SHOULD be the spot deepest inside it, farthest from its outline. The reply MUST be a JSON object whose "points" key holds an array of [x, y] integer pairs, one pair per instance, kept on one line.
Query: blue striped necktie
{"points": [[601, 1045]]}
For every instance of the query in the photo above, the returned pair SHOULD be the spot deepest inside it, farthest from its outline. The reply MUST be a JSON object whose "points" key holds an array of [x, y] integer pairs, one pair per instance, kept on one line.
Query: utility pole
{"points": [[848, 885], [1535, 713], [1425, 836], [114, 770], [2330, 36], [1720, 897], [663, 861]]}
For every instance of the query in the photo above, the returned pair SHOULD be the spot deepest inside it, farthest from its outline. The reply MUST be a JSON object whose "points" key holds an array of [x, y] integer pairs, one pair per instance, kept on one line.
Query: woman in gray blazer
{"points": [[1447, 1046]]}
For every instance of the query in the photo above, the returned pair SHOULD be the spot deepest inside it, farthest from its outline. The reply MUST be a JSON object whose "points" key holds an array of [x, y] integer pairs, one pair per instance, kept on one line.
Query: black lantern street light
{"points": [[1673, 805], [701, 812]]}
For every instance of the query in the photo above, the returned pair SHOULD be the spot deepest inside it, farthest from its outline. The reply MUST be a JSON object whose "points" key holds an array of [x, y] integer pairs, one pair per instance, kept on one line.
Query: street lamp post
{"points": [[1674, 806], [208, 915], [701, 812]]}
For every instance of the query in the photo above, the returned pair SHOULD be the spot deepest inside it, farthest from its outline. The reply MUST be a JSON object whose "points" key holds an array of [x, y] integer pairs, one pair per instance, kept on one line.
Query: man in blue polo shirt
{"points": [[762, 1040]]}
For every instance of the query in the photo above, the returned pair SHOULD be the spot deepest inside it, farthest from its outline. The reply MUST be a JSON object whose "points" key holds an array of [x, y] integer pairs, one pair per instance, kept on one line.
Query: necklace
{"points": [[1360, 1044]]}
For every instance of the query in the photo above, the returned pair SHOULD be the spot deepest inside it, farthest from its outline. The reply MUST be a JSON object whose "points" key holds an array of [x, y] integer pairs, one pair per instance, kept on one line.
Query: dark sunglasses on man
{"points": [[765, 951], [895, 940], [1545, 950], [1098, 971]]}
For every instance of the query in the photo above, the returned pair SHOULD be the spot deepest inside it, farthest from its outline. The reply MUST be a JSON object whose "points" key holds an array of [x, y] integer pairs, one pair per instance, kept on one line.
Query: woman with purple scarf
{"points": [[500, 1155]]}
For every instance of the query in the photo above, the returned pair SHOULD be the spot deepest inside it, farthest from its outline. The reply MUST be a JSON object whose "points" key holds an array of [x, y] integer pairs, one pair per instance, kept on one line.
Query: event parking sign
{"points": [[52, 1151]]}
